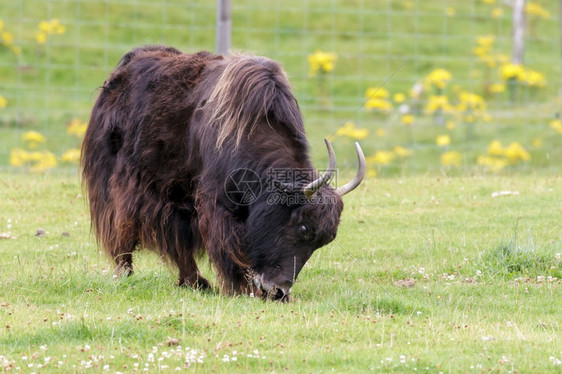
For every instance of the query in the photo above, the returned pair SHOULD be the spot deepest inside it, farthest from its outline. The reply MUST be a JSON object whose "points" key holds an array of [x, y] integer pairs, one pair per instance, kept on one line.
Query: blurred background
{"points": [[426, 86]]}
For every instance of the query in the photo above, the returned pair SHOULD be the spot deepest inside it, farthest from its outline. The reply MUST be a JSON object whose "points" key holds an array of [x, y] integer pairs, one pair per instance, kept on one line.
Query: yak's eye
{"points": [[304, 232]]}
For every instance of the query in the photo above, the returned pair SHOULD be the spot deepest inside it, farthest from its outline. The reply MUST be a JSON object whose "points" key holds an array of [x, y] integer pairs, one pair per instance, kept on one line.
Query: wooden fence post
{"points": [[224, 25]]}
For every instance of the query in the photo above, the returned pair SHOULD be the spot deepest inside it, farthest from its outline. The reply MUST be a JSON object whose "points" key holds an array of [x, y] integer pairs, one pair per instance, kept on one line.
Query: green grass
{"points": [[484, 274]]}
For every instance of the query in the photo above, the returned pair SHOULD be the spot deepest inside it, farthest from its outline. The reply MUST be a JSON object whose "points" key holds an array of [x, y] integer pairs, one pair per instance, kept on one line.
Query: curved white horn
{"points": [[315, 185], [356, 181]]}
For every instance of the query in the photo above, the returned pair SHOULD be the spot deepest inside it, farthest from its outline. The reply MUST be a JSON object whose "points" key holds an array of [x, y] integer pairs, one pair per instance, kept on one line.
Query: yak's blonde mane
{"points": [[249, 91]]}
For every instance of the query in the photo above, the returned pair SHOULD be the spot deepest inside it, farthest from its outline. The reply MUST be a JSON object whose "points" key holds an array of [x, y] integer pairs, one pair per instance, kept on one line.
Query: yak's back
{"points": [[144, 109]]}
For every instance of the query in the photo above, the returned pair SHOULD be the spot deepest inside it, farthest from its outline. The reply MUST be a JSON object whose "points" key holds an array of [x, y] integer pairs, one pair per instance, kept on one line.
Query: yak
{"points": [[187, 154]]}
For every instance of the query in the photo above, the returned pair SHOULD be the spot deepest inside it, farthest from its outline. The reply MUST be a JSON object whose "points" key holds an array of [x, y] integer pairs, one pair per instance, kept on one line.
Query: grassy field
{"points": [[427, 274]]}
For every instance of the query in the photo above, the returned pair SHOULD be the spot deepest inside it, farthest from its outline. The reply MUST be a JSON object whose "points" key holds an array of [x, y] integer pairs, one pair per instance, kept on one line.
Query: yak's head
{"points": [[289, 222]]}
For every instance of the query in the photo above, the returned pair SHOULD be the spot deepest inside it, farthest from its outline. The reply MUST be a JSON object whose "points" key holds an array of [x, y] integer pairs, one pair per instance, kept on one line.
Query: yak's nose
{"points": [[286, 287], [282, 291]]}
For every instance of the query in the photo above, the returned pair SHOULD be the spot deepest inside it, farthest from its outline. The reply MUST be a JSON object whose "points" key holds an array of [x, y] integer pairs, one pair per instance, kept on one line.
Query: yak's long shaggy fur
{"points": [[166, 130]]}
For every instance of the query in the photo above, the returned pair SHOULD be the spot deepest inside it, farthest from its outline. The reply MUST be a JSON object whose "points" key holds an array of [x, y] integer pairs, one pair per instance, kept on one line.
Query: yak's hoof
{"points": [[124, 270], [199, 284]]}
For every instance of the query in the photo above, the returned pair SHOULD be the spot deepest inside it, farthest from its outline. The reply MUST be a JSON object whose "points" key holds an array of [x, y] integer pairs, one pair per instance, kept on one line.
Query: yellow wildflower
{"points": [[16, 50], [40, 37], [34, 156], [516, 152], [378, 104], [52, 27], [39, 161], [533, 8], [492, 163], [512, 71], [408, 119], [46, 161], [360, 134], [489, 1], [450, 11], [537, 142], [381, 158], [45, 26], [436, 103], [58, 28], [497, 12], [451, 158], [71, 155], [33, 139], [371, 173], [496, 88], [399, 98], [438, 78], [443, 140], [534, 78], [1, 25], [76, 127], [18, 157], [480, 51], [496, 148], [377, 99], [7, 38], [450, 125], [376, 93], [349, 130], [485, 41], [321, 62], [3, 102], [556, 125], [402, 152], [472, 101]]}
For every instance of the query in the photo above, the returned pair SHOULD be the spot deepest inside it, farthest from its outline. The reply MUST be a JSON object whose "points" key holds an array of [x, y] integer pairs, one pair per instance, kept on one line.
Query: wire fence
{"points": [[50, 72]]}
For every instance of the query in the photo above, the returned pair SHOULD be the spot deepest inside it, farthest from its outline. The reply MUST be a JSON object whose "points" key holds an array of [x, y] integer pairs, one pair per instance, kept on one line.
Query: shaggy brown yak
{"points": [[193, 152]]}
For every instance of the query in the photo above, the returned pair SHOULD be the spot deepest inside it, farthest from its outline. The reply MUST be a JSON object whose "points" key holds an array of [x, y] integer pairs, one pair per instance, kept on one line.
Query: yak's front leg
{"points": [[223, 238], [191, 276]]}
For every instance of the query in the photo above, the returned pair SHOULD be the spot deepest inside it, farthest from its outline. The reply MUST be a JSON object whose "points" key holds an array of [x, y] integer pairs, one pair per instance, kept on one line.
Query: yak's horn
{"points": [[356, 181], [315, 185]]}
